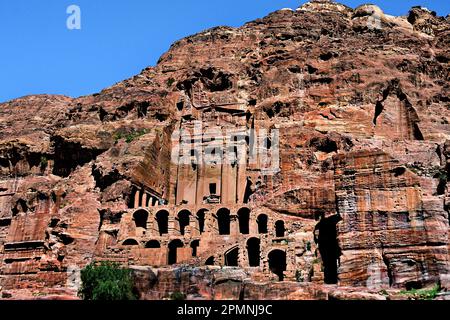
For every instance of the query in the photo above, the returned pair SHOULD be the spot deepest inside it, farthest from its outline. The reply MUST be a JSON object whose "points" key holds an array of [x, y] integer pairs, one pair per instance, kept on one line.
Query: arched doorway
{"points": [[244, 220], [277, 263], [130, 242], [194, 245], [325, 235], [183, 220], [173, 248], [153, 244], [223, 220], [279, 229], [232, 257], [254, 252], [262, 223], [140, 218], [201, 220], [210, 261], [162, 218]]}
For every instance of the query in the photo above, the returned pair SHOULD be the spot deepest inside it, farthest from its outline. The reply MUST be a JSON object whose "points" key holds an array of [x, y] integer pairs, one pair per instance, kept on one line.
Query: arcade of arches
{"points": [[260, 241]]}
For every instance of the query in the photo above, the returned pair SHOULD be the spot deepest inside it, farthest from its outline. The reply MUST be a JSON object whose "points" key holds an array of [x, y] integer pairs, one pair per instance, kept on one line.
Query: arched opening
{"points": [[244, 220], [201, 220], [223, 220], [277, 263], [183, 220], [153, 244], [279, 229], [328, 247], [130, 242], [210, 261], [162, 218], [173, 248], [232, 258], [262, 223], [140, 219], [254, 252], [194, 245]]}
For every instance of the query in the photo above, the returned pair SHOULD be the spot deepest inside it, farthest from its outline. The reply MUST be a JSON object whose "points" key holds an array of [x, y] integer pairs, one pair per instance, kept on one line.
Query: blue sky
{"points": [[118, 38]]}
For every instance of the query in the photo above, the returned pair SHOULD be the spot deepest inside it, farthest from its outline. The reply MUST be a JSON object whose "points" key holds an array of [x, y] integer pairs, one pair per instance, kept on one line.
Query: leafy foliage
{"points": [[177, 296], [106, 281], [44, 162], [170, 82], [130, 137], [422, 294]]}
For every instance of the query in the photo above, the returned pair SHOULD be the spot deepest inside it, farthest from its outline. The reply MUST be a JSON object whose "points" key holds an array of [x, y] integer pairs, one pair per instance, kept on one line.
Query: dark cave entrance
{"points": [[153, 244], [183, 220], [140, 219], [201, 220], [254, 252], [162, 218], [194, 245], [329, 249], [232, 258], [244, 220], [173, 248], [223, 219], [262, 223], [277, 263], [279, 229], [130, 242], [210, 261]]}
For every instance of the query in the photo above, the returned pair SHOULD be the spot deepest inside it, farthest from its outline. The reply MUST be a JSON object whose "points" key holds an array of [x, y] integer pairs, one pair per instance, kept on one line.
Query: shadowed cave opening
{"points": [[232, 258], [140, 219], [277, 263], [153, 244], [254, 252], [262, 223], [201, 220], [173, 248], [194, 245], [130, 242], [244, 220], [325, 235], [279, 229], [183, 220], [210, 261], [162, 218], [223, 219]]}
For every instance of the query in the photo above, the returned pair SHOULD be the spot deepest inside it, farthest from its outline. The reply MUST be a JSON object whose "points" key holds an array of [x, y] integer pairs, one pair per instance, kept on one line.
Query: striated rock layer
{"points": [[350, 108]]}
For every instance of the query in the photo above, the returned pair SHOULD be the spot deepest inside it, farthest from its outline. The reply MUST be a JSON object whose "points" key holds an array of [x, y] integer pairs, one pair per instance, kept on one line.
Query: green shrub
{"points": [[422, 294], [44, 162], [308, 246], [178, 296], [170, 82], [106, 281], [131, 136]]}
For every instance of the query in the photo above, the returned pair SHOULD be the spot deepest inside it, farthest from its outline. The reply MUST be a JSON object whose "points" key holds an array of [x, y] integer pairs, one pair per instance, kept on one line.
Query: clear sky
{"points": [[118, 38]]}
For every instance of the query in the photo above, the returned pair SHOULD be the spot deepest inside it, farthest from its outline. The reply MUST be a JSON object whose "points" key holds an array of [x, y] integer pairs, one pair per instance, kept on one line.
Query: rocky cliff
{"points": [[361, 103]]}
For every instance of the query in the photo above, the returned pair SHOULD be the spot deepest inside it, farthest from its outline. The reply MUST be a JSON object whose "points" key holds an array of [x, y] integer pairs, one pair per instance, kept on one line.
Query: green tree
{"points": [[106, 281]]}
